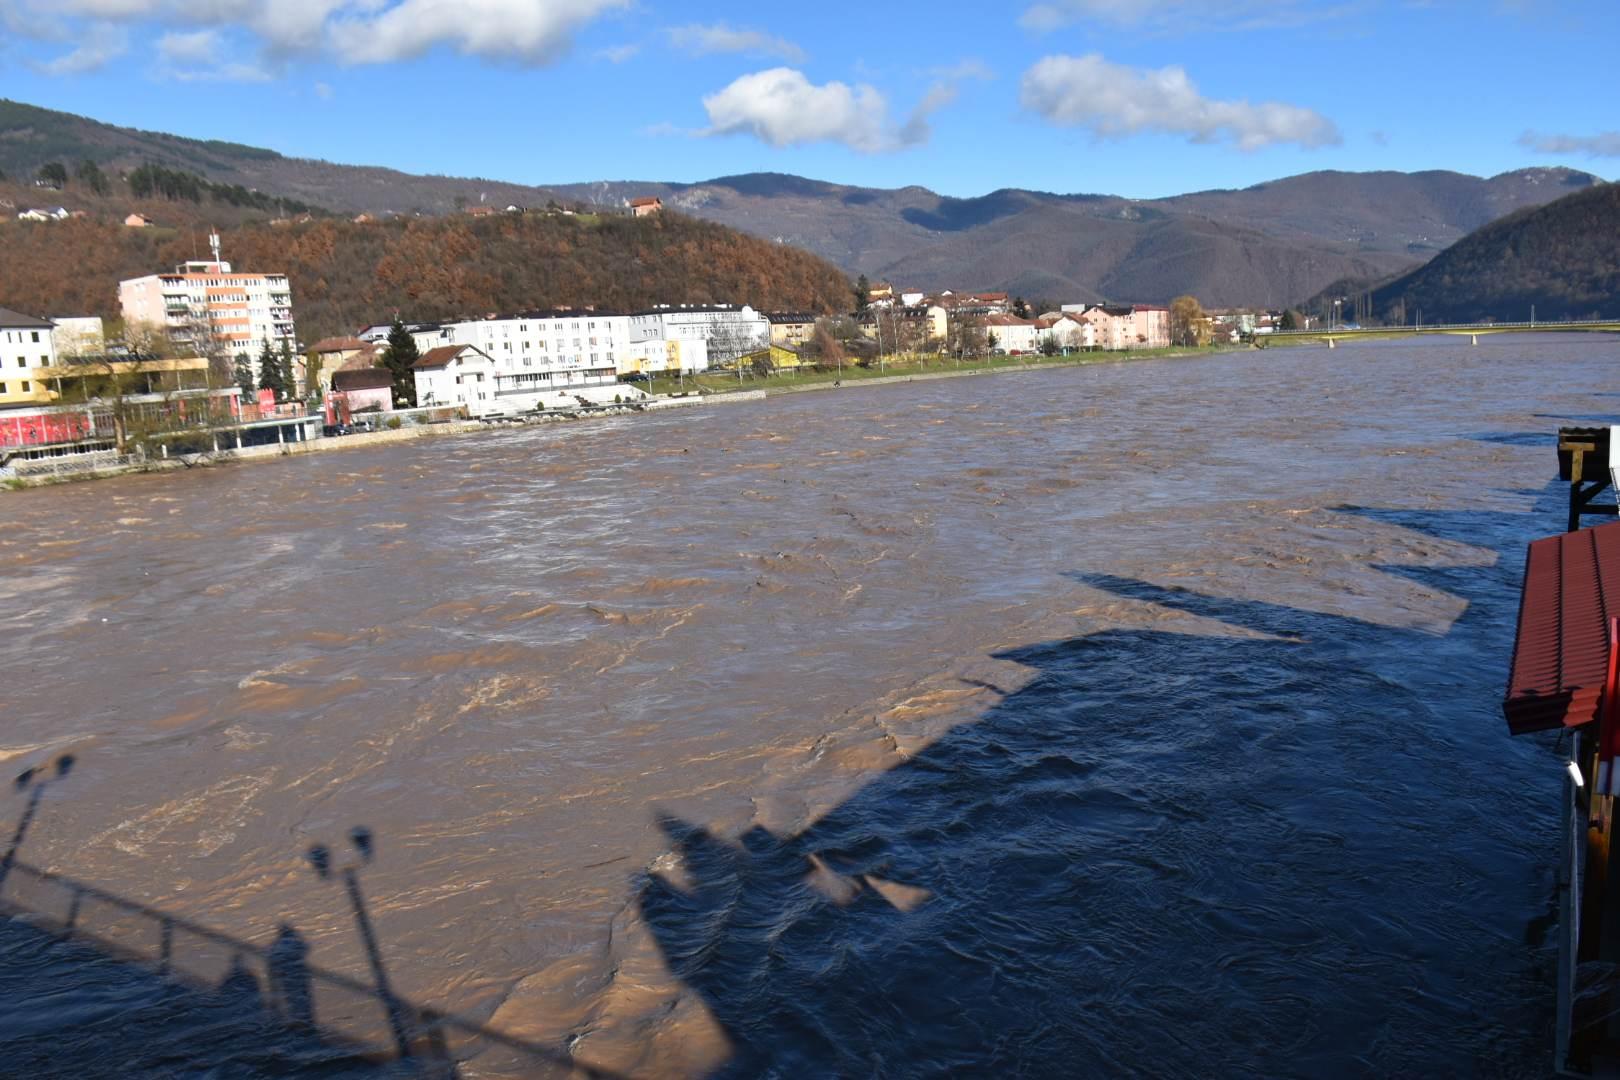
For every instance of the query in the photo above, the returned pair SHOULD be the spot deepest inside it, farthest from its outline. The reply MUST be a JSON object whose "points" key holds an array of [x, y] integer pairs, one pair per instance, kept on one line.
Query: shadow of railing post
{"points": [[34, 782]]}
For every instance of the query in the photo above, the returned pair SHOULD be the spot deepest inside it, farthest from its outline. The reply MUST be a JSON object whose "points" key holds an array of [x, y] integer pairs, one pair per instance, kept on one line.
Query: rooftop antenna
{"points": [[213, 244]]}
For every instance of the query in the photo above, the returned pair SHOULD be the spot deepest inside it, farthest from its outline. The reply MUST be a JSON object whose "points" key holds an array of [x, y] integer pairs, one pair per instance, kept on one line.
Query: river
{"points": [[1136, 718]]}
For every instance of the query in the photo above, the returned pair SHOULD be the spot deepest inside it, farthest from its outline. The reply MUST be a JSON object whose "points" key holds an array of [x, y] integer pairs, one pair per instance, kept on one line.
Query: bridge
{"points": [[1331, 336]]}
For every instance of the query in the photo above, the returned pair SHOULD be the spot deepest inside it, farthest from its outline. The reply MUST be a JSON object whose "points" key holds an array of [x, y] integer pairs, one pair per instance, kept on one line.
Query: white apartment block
{"points": [[239, 310], [534, 356], [726, 330], [25, 346]]}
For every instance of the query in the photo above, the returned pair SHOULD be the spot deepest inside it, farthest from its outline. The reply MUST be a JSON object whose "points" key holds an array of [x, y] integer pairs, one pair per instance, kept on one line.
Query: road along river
{"points": [[1136, 718]]}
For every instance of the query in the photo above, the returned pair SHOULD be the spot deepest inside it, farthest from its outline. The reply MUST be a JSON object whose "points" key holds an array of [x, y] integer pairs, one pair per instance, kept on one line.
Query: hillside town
{"points": [[207, 356]]}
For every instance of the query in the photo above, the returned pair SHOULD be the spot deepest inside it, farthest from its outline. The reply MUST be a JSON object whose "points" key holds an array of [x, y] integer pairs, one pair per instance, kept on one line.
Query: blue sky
{"points": [[1135, 97]]}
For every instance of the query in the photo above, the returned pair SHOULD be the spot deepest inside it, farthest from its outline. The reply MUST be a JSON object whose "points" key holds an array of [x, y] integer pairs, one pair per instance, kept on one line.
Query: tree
{"points": [[400, 357], [289, 376], [827, 348], [1290, 320], [1050, 346], [242, 372], [90, 174], [991, 341], [863, 294], [1019, 308], [54, 173], [270, 371], [1188, 327]]}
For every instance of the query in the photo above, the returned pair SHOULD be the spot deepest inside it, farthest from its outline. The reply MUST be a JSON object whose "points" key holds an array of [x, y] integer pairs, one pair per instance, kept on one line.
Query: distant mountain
{"points": [[1562, 259], [1271, 244]]}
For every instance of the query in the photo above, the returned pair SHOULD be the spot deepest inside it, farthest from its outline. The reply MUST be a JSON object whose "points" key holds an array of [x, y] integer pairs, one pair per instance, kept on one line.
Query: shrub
{"points": [[393, 423]]}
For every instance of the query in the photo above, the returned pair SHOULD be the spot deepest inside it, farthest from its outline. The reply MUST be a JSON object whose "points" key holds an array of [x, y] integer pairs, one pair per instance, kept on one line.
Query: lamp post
{"points": [[1335, 324]]}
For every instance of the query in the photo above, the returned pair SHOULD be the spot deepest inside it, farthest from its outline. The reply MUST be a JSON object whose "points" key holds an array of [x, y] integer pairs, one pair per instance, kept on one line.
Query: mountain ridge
{"points": [[1269, 244]]}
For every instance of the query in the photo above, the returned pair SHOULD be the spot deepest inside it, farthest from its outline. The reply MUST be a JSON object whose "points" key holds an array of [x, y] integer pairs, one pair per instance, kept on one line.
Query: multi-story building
{"points": [[726, 331], [791, 328], [26, 347], [210, 307]]}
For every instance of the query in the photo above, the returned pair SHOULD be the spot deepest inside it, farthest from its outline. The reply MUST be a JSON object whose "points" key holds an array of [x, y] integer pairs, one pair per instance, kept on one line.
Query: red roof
{"points": [[337, 344], [647, 200], [1561, 657], [438, 357]]}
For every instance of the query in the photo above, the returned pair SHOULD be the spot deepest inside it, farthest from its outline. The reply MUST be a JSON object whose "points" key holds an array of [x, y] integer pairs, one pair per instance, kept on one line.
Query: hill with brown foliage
{"points": [[345, 274]]}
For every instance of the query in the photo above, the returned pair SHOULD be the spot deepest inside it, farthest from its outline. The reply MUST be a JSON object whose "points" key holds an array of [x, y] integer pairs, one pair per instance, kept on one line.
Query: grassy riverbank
{"points": [[900, 367]]}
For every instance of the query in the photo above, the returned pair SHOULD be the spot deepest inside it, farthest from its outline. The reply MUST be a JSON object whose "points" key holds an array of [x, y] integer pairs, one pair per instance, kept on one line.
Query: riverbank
{"points": [[910, 370], [709, 389]]}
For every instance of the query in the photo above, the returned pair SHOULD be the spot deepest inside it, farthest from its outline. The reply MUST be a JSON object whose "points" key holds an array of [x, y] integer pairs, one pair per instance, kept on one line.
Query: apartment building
{"points": [[25, 348], [726, 330], [204, 300], [533, 354]]}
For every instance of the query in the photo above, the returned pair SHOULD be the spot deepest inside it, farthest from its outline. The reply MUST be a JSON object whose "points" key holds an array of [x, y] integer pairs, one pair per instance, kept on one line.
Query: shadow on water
{"points": [[1263, 841], [94, 984]]}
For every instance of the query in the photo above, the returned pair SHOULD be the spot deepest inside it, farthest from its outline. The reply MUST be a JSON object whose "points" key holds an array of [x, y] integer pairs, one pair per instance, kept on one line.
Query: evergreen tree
{"points": [[289, 377], [863, 294], [400, 359], [54, 173], [242, 369], [270, 371], [90, 174], [1020, 308]]}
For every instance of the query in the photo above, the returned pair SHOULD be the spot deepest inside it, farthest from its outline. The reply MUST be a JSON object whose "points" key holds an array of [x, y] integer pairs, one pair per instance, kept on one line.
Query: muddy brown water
{"points": [[1135, 718]]}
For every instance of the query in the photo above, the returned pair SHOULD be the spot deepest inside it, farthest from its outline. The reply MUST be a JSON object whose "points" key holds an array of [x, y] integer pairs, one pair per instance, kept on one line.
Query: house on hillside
{"points": [[481, 211], [646, 205], [137, 221]]}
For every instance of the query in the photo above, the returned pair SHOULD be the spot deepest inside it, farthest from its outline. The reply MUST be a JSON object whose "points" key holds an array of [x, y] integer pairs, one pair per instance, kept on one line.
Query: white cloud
{"points": [[527, 31], [618, 54], [358, 31], [1112, 100], [1603, 144], [99, 45], [323, 91], [197, 47], [720, 38], [1199, 16], [783, 108]]}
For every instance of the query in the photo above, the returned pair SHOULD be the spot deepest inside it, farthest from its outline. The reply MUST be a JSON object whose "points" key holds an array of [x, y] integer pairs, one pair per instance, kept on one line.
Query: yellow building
{"points": [[791, 328], [781, 358]]}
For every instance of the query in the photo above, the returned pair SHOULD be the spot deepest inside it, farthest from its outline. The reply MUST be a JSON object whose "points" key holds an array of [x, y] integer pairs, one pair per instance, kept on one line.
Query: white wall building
{"points": [[78, 335], [536, 355], [457, 375], [728, 330], [1012, 334], [25, 345]]}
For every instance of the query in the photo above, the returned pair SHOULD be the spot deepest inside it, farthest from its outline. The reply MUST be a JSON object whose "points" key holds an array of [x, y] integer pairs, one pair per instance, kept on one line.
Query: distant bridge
{"points": [[1469, 330]]}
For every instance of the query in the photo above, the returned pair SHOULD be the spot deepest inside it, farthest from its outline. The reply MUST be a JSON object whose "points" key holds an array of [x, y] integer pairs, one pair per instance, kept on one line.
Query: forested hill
{"points": [[345, 274], [1562, 258]]}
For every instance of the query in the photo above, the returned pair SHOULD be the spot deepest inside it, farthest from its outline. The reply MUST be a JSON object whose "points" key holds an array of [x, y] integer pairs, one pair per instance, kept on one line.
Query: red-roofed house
{"points": [[647, 204], [461, 375]]}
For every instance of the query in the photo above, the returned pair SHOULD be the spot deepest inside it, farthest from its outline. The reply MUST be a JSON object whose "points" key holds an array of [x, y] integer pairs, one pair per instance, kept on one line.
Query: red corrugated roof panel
{"points": [[1560, 660]]}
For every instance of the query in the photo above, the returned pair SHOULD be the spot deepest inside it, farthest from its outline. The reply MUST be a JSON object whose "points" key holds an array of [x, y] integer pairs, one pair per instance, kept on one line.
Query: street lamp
{"points": [[1335, 323]]}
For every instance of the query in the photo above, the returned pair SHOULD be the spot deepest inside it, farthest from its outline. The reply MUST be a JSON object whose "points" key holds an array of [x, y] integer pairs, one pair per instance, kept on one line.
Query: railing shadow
{"points": [[97, 984], [1245, 839]]}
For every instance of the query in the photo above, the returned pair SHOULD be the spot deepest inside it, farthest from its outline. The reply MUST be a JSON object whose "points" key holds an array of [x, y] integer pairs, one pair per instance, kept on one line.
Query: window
{"points": [[4, 389], [36, 335], [22, 361], [25, 386]]}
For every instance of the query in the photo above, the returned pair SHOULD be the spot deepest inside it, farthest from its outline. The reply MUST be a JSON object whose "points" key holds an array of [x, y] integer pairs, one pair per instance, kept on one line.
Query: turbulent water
{"points": [[1140, 718]]}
